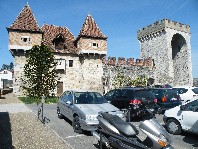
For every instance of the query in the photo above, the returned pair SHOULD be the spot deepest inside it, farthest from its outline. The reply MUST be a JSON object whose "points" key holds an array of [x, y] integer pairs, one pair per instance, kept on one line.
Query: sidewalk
{"points": [[20, 129]]}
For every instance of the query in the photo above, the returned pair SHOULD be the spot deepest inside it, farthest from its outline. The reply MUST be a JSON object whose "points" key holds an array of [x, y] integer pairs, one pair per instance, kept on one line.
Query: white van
{"points": [[183, 117]]}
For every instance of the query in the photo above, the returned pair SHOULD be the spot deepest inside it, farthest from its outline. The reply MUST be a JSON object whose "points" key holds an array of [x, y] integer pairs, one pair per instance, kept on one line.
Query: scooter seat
{"points": [[123, 127]]}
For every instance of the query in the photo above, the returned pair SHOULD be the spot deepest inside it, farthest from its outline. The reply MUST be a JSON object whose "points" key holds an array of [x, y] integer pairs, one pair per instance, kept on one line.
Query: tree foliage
{"points": [[7, 67], [123, 80], [40, 72]]}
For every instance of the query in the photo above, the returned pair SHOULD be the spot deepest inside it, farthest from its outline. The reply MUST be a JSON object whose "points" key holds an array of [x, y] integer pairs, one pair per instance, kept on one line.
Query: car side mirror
{"points": [[182, 107]]}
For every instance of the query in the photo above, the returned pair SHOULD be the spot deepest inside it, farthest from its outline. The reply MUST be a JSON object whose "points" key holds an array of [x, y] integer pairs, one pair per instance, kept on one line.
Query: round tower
{"points": [[168, 43]]}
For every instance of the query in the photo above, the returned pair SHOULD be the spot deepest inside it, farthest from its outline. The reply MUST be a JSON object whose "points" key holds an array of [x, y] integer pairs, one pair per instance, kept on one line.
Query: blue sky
{"points": [[119, 20]]}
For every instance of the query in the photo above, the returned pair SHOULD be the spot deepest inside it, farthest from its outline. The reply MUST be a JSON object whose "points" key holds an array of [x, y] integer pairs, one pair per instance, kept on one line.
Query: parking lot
{"points": [[65, 131]]}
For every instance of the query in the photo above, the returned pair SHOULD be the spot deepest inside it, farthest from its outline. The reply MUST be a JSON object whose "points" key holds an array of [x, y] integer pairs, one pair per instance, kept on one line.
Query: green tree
{"points": [[40, 72]]}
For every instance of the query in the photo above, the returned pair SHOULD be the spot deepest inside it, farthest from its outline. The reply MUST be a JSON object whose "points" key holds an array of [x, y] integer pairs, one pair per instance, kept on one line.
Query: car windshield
{"points": [[89, 98]]}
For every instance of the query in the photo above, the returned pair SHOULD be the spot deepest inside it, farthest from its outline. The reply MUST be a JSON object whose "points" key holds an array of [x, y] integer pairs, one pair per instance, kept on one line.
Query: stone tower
{"points": [[92, 45], [168, 43], [23, 34]]}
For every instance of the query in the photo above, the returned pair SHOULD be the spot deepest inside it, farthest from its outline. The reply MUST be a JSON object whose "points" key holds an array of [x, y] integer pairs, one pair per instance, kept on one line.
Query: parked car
{"points": [[82, 107], [167, 98], [182, 118], [131, 98], [186, 92]]}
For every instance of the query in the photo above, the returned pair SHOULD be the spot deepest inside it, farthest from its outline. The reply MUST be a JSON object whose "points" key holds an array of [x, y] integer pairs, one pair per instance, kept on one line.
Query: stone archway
{"points": [[177, 43], [179, 59]]}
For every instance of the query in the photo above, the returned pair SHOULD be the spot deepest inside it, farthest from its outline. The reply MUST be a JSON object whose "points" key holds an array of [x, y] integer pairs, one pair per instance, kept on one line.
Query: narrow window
{"points": [[95, 44], [25, 38], [70, 63]]}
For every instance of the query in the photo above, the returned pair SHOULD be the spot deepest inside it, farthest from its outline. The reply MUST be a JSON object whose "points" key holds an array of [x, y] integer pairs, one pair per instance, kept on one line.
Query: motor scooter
{"points": [[114, 132]]}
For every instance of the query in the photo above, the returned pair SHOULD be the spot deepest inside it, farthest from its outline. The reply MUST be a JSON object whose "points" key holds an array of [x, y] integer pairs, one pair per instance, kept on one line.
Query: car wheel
{"points": [[59, 113], [173, 127], [76, 125]]}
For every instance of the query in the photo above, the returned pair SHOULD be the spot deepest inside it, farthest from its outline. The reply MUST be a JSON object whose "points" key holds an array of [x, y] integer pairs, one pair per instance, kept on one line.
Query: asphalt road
{"points": [[63, 128]]}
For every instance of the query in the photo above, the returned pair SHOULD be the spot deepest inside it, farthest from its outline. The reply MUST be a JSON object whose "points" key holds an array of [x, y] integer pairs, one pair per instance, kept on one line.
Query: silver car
{"points": [[82, 108]]}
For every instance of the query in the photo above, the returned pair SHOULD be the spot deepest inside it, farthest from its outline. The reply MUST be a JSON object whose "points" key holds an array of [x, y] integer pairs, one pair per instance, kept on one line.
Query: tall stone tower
{"points": [[92, 45], [23, 34], [168, 43]]}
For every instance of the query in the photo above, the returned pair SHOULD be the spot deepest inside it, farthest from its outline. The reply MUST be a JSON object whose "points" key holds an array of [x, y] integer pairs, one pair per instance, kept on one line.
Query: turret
{"points": [[24, 32], [91, 39]]}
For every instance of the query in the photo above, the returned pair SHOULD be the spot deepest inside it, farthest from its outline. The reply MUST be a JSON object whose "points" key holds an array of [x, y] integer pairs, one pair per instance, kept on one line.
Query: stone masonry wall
{"points": [[15, 38], [86, 44], [19, 63], [133, 71], [158, 47], [155, 42]]}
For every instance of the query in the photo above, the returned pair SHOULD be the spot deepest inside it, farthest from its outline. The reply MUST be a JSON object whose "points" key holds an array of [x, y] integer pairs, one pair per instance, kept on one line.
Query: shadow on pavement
{"points": [[5, 131], [191, 139]]}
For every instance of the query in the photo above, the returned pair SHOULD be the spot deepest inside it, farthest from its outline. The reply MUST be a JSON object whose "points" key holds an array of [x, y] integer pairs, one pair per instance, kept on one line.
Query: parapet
{"points": [[159, 26], [148, 62]]}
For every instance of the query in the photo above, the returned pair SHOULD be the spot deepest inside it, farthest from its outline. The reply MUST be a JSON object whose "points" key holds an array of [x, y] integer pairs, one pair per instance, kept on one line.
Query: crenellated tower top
{"points": [[161, 25]]}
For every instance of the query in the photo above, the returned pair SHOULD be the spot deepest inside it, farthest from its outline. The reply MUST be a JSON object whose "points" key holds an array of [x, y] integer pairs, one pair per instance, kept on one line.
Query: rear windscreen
{"points": [[171, 93], [143, 94]]}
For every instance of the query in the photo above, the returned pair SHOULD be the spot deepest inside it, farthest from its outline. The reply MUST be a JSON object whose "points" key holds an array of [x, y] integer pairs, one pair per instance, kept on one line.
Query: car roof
{"points": [[81, 90], [186, 87], [155, 88], [134, 88]]}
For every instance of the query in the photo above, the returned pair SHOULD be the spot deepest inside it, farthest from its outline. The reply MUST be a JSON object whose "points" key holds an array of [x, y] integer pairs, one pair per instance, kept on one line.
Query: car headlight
{"points": [[162, 140], [91, 117]]}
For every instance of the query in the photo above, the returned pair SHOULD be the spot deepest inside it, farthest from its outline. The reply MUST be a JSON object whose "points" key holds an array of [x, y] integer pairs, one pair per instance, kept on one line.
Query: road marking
{"points": [[74, 136]]}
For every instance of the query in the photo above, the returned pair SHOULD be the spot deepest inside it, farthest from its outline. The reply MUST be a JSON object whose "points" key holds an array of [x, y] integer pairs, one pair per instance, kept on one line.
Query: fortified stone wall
{"points": [[110, 71], [129, 67]]}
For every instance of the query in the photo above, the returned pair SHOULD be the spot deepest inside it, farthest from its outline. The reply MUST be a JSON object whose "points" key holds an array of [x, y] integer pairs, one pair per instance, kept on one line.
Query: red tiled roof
{"points": [[90, 29], [50, 32], [25, 21]]}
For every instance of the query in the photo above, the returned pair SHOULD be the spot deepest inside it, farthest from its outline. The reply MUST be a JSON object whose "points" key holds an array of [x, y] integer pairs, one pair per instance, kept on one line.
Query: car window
{"points": [[89, 98], [195, 90], [114, 94], [181, 90], [171, 93], [157, 93], [192, 106]]}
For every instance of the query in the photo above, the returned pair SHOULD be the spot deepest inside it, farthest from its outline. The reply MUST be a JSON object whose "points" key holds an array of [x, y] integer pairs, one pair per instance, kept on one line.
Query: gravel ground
{"points": [[20, 128]]}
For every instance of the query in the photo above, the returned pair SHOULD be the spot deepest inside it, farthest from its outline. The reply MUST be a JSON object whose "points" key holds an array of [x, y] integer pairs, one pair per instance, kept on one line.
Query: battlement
{"points": [[149, 62], [159, 26]]}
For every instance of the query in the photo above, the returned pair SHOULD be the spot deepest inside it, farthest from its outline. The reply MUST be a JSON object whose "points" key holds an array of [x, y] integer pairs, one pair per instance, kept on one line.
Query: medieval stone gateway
{"points": [[165, 53]]}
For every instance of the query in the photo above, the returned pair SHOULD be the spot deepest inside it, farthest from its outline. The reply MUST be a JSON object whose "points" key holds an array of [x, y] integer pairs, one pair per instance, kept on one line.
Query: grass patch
{"points": [[33, 100]]}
